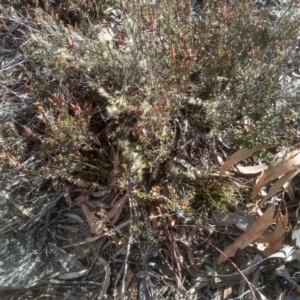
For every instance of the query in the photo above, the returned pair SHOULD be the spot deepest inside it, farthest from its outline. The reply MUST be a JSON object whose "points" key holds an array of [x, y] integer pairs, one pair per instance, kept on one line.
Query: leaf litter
{"points": [[282, 172], [251, 235], [181, 251], [241, 155]]}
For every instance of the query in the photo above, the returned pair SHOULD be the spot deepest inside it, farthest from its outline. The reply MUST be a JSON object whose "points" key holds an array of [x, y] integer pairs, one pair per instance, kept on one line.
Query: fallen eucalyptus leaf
{"points": [[278, 184], [276, 170], [69, 262], [251, 169], [240, 155], [252, 234]]}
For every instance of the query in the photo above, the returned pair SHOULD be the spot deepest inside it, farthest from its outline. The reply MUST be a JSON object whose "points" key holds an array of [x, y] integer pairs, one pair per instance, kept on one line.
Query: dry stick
{"points": [[252, 288], [130, 238], [69, 283], [10, 67]]}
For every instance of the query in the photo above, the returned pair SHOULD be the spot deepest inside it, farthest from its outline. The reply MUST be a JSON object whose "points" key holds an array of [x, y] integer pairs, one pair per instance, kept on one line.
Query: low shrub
{"points": [[157, 86]]}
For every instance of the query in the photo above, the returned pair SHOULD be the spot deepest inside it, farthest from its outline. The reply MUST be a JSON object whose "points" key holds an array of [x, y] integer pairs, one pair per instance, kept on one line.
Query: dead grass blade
{"points": [[277, 169], [113, 215], [240, 155], [252, 234]]}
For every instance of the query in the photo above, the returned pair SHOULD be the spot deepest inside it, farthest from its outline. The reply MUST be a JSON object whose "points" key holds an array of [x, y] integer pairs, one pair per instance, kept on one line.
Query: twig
{"points": [[130, 235], [53, 283], [10, 67], [68, 283]]}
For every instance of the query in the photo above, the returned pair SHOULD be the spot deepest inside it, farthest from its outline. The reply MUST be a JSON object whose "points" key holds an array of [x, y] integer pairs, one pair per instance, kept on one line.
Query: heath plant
{"points": [[156, 85]]}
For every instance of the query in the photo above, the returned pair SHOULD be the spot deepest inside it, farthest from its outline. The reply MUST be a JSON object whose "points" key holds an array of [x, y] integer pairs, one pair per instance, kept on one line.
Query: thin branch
{"points": [[130, 235], [10, 67]]}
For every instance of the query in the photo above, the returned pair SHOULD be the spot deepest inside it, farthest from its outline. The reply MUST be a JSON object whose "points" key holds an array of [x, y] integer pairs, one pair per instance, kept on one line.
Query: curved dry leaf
{"points": [[96, 225], [278, 233], [74, 216], [72, 275], [114, 214], [252, 234], [273, 247], [240, 155], [68, 261], [251, 169], [278, 184], [276, 170], [260, 183]]}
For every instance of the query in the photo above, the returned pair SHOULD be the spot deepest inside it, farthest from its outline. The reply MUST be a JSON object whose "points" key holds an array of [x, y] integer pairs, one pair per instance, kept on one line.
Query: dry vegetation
{"points": [[126, 111]]}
